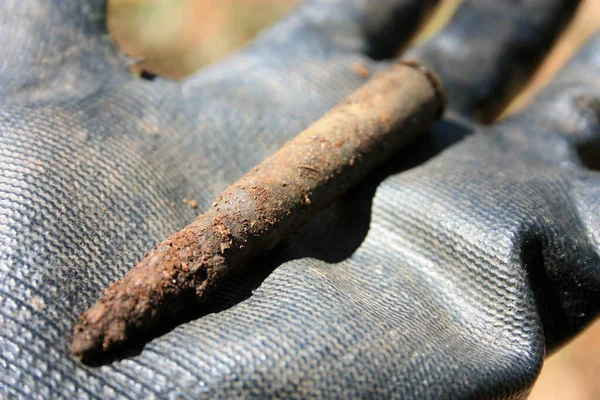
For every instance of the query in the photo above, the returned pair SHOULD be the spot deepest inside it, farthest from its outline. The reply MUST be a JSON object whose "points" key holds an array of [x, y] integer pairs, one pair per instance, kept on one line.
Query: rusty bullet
{"points": [[268, 203]]}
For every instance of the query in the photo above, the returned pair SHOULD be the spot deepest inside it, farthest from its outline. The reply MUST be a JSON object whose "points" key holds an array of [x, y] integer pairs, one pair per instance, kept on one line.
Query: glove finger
{"points": [[563, 122], [294, 72], [561, 128], [490, 48], [377, 30], [55, 49]]}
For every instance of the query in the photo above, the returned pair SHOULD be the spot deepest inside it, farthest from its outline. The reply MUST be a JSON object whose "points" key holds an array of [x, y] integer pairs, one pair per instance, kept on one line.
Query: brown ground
{"points": [[193, 33], [175, 37]]}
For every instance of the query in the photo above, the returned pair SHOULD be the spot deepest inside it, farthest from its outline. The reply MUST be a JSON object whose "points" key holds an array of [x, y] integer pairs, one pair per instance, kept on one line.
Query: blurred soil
{"points": [[173, 38]]}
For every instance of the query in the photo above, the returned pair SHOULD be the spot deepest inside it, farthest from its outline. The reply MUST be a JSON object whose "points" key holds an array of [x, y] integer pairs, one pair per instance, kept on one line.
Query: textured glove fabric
{"points": [[448, 274]]}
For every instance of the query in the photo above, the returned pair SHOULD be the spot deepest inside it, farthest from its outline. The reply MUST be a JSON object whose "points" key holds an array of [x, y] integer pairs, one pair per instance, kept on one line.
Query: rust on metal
{"points": [[272, 200]]}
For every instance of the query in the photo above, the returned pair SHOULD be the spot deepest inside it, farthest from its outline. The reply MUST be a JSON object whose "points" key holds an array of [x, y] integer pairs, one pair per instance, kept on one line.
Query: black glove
{"points": [[449, 280]]}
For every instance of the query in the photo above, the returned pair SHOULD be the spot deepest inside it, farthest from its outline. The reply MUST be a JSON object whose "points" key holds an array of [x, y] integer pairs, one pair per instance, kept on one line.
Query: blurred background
{"points": [[173, 38]]}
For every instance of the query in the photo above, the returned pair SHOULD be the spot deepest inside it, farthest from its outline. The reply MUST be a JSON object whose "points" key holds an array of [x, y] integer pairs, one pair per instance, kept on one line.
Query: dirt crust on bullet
{"points": [[268, 203]]}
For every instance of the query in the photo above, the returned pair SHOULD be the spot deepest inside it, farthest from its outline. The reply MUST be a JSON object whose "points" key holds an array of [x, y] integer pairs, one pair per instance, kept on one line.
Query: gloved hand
{"points": [[448, 280]]}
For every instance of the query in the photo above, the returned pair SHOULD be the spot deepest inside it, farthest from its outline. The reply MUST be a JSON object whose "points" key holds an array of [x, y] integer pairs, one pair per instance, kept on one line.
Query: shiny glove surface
{"points": [[449, 273]]}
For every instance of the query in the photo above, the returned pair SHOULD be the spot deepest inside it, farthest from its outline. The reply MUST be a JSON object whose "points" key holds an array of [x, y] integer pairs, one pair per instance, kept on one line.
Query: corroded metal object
{"points": [[275, 198]]}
